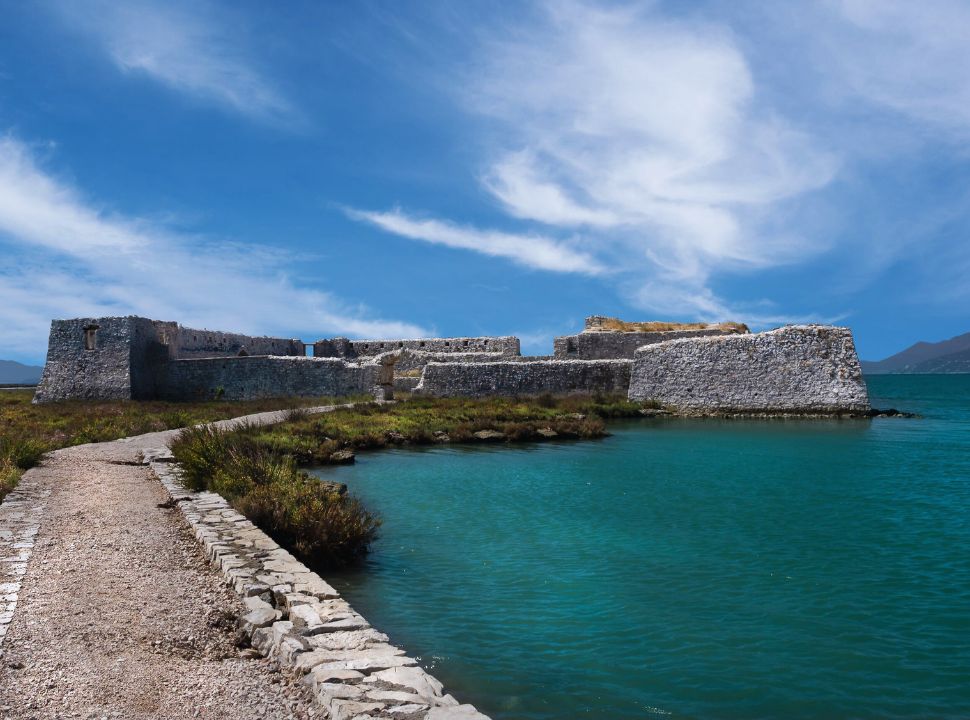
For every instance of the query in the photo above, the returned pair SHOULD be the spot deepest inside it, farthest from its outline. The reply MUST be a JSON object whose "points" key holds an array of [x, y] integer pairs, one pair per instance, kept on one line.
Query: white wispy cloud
{"points": [[76, 259], [643, 140], [185, 46], [533, 251], [911, 57]]}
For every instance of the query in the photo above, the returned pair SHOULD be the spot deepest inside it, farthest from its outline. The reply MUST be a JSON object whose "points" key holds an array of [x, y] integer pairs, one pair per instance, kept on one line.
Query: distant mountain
{"points": [[948, 356], [15, 373]]}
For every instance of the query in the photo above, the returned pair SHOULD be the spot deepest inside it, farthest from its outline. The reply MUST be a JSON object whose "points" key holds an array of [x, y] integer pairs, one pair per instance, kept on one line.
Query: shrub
{"points": [[21, 453], [9, 475], [324, 528]]}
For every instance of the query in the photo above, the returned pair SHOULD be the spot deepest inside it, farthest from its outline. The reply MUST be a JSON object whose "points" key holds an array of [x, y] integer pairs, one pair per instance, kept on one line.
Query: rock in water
{"points": [[342, 457]]}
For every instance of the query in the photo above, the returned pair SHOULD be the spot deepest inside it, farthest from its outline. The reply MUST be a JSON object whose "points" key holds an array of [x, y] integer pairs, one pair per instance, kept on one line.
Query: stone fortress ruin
{"points": [[688, 368]]}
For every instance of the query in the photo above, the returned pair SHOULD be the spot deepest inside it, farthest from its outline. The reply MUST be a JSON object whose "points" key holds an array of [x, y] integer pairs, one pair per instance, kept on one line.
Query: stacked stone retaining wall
{"points": [[341, 347], [252, 378], [511, 378], [295, 617], [799, 369]]}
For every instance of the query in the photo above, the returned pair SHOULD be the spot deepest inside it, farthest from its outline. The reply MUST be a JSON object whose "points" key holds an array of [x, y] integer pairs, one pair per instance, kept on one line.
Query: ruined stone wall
{"points": [[254, 377], [103, 371], [798, 369], [509, 378], [333, 348], [341, 347], [412, 360], [125, 357], [606, 345], [405, 384], [190, 343]]}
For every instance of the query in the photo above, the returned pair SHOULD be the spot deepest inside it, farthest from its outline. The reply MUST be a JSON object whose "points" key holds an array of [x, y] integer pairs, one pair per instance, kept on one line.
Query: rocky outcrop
{"points": [[798, 369]]}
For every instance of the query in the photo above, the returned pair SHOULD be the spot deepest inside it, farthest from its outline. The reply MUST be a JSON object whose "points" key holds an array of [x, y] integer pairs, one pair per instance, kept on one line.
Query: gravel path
{"points": [[119, 614]]}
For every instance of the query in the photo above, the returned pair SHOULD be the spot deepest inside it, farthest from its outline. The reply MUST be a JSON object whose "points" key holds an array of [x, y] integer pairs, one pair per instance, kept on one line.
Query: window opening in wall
{"points": [[91, 337], [422, 343], [307, 350], [570, 346]]}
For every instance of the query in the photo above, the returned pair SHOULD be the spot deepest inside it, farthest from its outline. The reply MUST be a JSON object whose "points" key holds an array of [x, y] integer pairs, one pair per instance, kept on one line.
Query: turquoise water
{"points": [[688, 569]]}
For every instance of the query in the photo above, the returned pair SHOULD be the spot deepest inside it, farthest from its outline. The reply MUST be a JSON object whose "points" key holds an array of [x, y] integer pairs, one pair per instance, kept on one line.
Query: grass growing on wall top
{"points": [[27, 431], [618, 325]]}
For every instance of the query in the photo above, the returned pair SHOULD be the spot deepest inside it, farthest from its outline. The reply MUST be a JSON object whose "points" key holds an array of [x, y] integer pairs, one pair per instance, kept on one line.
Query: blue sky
{"points": [[379, 169]]}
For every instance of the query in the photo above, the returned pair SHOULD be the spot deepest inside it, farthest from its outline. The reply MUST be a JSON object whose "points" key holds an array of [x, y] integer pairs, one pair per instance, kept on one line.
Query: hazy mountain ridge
{"points": [[15, 373], [947, 356]]}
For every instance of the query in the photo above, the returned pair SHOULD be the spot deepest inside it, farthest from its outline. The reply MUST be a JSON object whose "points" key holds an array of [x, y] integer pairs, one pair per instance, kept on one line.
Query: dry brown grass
{"points": [[617, 325]]}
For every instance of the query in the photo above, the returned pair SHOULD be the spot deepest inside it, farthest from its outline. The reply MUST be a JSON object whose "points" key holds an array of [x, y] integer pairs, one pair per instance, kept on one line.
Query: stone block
{"points": [[456, 712], [414, 679], [348, 709], [258, 618]]}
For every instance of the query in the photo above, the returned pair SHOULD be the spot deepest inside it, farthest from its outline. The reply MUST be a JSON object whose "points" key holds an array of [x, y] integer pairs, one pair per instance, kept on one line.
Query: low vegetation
{"points": [[624, 326], [256, 468], [315, 439], [317, 521], [27, 431]]}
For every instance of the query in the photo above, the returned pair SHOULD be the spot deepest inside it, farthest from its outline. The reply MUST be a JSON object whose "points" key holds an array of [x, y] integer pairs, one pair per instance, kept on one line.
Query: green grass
{"points": [[423, 421], [27, 431]]}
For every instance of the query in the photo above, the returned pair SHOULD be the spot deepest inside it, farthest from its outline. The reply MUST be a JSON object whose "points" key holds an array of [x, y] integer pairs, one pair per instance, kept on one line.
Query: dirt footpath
{"points": [[118, 614]]}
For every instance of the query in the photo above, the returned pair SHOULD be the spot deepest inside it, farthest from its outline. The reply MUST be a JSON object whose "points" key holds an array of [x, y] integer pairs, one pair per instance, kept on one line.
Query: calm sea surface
{"points": [[688, 569]]}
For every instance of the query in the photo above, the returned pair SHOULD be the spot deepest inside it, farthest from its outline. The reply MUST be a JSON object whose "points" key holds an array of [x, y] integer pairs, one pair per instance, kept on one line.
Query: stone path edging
{"points": [[20, 515], [298, 619], [22, 509]]}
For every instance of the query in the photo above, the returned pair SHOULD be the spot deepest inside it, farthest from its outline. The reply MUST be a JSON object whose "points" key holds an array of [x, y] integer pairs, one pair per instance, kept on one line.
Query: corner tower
{"points": [[112, 358]]}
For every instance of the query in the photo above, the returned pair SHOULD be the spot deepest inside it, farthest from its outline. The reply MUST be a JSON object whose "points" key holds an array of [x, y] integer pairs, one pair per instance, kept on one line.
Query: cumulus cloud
{"points": [[647, 139], [185, 47], [76, 259]]}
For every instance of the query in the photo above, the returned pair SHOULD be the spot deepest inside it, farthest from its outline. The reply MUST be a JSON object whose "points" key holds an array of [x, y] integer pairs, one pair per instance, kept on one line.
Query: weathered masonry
{"points": [[599, 341], [352, 349], [540, 377], [134, 358], [798, 369], [693, 368]]}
